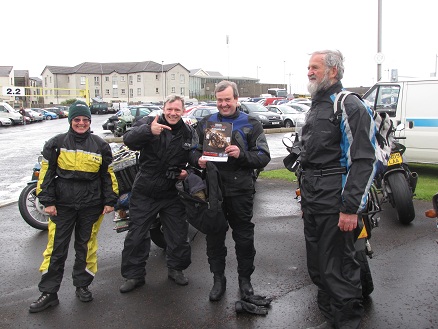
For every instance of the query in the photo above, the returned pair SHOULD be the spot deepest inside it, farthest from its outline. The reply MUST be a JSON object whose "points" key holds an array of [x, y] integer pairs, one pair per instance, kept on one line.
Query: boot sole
{"points": [[36, 310]]}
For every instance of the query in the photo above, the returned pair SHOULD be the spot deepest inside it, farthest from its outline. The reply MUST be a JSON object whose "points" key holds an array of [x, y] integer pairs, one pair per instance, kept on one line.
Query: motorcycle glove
{"points": [[242, 307], [173, 172], [257, 300]]}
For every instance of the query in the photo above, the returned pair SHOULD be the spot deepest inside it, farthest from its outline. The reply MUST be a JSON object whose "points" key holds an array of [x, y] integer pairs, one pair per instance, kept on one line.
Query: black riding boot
{"points": [[219, 287]]}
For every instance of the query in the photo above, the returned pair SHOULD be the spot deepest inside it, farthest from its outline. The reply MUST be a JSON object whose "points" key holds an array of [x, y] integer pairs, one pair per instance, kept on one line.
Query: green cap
{"points": [[78, 108]]}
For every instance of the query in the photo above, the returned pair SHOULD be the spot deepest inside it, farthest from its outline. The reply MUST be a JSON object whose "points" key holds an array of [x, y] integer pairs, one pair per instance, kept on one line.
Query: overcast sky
{"points": [[270, 40]]}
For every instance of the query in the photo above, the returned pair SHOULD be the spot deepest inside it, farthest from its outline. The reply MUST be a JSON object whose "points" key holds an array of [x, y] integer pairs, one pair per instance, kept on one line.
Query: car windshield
{"points": [[255, 107], [289, 110]]}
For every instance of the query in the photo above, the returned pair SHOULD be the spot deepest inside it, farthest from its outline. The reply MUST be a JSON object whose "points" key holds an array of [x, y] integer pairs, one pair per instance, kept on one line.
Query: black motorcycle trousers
{"points": [[143, 212], [85, 223], [333, 269], [238, 211]]}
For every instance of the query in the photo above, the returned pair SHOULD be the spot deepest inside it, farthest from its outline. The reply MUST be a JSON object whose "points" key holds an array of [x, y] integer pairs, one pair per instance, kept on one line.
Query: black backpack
{"points": [[206, 215]]}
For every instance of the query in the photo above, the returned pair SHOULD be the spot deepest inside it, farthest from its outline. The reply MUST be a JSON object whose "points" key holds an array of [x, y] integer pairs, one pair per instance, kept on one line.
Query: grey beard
{"points": [[314, 87]]}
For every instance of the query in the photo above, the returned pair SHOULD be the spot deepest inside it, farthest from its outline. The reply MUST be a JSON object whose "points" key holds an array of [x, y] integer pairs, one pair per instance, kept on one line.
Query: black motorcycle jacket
{"points": [[338, 155], [248, 135], [160, 155], [75, 172]]}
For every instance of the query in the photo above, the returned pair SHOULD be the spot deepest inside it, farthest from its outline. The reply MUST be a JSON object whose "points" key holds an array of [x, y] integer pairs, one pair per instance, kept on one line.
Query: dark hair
{"points": [[333, 58], [224, 84]]}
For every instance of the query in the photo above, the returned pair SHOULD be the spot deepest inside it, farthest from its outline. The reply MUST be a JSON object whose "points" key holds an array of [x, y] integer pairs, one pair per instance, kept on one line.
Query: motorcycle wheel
{"points": [[31, 210], [402, 197], [157, 236], [365, 273]]}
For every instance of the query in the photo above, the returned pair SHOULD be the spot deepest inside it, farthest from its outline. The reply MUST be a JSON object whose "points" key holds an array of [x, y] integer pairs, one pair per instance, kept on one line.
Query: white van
{"points": [[414, 103], [8, 112]]}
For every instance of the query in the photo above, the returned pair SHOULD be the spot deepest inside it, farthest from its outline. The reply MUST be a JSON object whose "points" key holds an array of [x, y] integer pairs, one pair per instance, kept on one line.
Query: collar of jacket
{"points": [[326, 93], [233, 116]]}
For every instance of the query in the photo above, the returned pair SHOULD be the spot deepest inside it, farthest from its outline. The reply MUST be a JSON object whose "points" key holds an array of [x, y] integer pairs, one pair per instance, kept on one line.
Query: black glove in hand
{"points": [[173, 172], [257, 300], [242, 306]]}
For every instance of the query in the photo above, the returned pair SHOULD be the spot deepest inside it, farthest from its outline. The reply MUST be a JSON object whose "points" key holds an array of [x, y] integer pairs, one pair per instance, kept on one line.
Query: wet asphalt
{"points": [[404, 270], [404, 266]]}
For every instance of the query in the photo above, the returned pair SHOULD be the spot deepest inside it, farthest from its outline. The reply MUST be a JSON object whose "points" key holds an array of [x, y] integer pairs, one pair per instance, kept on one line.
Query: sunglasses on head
{"points": [[85, 120]]}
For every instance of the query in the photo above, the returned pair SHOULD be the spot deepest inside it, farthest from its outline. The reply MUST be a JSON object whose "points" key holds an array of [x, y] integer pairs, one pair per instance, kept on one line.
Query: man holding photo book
{"points": [[244, 148]]}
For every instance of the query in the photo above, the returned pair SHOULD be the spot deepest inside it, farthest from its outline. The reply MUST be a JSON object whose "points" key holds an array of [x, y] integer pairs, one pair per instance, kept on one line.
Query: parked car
{"points": [[99, 108], [57, 110], [8, 112], [291, 117], [48, 115], [201, 111], [33, 115], [262, 114], [298, 106], [5, 122], [301, 100]]}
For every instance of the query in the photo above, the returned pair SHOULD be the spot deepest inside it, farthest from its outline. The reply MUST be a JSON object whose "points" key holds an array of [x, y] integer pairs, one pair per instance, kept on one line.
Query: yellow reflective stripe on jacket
{"points": [[115, 184], [43, 171], [79, 160]]}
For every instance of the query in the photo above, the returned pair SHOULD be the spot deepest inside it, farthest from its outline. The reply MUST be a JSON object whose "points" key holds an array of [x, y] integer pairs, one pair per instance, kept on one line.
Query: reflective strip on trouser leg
{"points": [[92, 248], [87, 228], [49, 249]]}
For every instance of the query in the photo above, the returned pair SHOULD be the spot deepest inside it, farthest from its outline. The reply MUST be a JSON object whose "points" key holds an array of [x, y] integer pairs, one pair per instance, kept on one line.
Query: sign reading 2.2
{"points": [[13, 91]]}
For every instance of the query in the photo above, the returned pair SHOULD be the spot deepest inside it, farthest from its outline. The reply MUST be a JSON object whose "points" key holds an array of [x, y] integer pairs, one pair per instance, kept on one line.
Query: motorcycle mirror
{"points": [[287, 141]]}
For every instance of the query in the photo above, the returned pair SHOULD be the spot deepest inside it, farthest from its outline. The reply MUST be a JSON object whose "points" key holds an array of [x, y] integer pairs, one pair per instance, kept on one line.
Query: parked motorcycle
{"points": [[33, 212], [397, 183], [363, 231], [30, 208]]}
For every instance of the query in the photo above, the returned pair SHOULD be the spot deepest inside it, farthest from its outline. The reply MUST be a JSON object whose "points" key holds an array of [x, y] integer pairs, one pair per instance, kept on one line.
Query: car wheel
{"points": [[48, 117], [289, 124]]}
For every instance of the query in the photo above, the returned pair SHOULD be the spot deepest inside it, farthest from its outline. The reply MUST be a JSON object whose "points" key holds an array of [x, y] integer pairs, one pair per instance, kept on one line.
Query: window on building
{"points": [[138, 78], [157, 77], [182, 78], [172, 76], [50, 79], [45, 81], [138, 91], [107, 92], [83, 79], [156, 91], [115, 92], [96, 92], [107, 79], [123, 91], [96, 81], [183, 90], [131, 92], [173, 90], [131, 80], [122, 78], [68, 78]]}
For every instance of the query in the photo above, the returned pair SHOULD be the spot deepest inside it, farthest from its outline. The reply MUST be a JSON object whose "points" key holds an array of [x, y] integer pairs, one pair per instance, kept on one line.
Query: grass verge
{"points": [[427, 185]]}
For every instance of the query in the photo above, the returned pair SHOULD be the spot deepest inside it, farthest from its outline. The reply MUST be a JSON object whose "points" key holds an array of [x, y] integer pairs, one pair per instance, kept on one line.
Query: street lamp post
{"points": [[162, 78]]}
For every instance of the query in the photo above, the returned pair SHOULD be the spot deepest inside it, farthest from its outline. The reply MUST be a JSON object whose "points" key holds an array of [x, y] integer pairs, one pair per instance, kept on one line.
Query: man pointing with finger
{"points": [[164, 143]]}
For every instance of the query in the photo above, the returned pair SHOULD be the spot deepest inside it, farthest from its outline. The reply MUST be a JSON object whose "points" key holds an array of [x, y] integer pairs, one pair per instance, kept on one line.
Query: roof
{"points": [[5, 71], [108, 68]]}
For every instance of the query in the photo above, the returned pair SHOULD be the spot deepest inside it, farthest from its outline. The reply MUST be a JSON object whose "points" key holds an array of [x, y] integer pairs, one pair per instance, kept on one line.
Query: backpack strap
{"points": [[338, 104]]}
